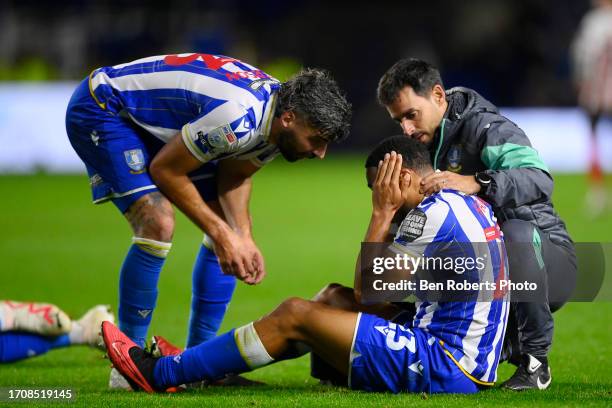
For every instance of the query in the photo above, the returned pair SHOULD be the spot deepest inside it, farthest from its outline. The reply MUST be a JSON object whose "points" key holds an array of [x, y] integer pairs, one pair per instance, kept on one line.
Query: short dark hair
{"points": [[415, 155], [315, 96], [421, 76]]}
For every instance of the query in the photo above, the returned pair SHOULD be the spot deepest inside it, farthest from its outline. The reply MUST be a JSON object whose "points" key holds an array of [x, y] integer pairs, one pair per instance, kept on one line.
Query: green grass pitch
{"points": [[309, 219]]}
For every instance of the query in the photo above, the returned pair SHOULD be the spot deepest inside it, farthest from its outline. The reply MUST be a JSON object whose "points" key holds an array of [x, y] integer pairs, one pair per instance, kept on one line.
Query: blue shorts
{"points": [[386, 356], [117, 153]]}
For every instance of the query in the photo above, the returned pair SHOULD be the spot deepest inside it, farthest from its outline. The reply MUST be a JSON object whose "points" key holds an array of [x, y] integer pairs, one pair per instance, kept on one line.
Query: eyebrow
{"points": [[407, 112]]}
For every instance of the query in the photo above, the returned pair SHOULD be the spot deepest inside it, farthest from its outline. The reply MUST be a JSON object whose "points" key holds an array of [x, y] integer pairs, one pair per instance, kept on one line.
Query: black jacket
{"points": [[474, 137]]}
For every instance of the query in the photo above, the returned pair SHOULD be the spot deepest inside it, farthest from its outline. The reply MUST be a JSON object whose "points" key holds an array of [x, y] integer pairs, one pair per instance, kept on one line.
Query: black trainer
{"points": [[532, 374]]}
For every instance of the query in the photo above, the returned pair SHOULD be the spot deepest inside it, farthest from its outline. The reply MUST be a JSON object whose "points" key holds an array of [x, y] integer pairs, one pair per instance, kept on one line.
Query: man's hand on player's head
{"points": [[445, 179], [387, 196]]}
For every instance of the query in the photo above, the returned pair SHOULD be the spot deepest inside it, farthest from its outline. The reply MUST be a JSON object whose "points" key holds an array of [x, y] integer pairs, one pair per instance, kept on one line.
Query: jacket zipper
{"points": [[439, 145]]}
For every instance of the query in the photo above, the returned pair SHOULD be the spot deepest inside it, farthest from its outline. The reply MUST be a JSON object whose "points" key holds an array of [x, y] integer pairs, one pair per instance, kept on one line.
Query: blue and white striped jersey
{"points": [[223, 107], [471, 332]]}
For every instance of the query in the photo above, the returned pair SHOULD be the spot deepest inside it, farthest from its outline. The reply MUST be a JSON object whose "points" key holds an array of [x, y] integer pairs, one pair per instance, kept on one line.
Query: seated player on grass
{"points": [[450, 347], [32, 329]]}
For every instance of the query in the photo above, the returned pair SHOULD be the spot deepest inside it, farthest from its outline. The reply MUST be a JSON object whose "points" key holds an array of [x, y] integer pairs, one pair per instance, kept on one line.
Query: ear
{"points": [[438, 95], [287, 118], [406, 177]]}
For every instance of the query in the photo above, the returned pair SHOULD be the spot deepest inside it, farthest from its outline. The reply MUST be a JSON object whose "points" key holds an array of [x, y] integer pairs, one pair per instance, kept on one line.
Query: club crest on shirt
{"points": [[219, 139], [135, 160], [412, 227], [454, 158]]}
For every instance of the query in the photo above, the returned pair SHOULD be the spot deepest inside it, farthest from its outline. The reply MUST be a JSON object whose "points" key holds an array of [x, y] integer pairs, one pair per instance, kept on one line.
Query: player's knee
{"points": [[327, 294], [293, 311], [160, 227], [152, 217], [295, 306]]}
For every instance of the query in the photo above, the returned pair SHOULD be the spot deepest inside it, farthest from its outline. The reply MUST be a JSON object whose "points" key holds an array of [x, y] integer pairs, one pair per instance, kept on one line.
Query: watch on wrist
{"points": [[484, 180]]}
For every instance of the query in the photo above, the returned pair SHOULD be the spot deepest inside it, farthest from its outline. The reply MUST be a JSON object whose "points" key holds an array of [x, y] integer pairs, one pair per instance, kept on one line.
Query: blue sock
{"points": [[16, 346], [210, 360], [138, 286], [211, 292], [235, 352]]}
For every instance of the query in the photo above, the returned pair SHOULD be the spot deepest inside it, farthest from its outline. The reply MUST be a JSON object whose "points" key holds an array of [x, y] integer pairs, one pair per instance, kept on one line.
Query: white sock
{"points": [[251, 348], [76, 334], [6, 318]]}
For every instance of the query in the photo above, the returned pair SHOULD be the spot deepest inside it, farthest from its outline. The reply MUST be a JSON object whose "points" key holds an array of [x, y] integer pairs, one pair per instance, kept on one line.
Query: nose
{"points": [[407, 126], [320, 152]]}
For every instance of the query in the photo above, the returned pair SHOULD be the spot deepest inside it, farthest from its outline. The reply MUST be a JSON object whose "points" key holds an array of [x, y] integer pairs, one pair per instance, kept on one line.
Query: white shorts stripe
{"points": [[127, 193], [353, 354]]}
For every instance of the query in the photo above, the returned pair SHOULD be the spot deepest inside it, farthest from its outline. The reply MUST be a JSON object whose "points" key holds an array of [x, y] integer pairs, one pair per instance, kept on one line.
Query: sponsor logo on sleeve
{"points": [[204, 141], [219, 139], [412, 227]]}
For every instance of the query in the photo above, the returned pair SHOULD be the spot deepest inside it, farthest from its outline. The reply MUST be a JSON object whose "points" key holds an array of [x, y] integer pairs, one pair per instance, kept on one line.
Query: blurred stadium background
{"points": [[309, 217], [515, 53]]}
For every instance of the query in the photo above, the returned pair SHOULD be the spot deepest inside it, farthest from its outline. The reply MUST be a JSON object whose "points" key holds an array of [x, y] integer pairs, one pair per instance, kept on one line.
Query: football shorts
{"points": [[117, 153], [387, 356]]}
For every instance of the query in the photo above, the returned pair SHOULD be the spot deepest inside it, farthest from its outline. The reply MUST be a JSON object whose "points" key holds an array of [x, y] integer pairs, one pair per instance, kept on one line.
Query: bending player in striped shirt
{"points": [[451, 347], [195, 127]]}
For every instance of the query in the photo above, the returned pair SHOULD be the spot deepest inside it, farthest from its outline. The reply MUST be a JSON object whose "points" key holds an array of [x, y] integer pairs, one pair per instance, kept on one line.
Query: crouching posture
{"points": [[449, 347]]}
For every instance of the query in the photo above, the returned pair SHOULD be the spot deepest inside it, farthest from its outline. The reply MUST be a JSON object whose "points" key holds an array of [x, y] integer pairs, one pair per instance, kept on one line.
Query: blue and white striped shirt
{"points": [[471, 332], [223, 107]]}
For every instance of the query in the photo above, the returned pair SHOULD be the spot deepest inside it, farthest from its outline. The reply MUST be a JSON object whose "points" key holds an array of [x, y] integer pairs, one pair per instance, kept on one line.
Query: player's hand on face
{"points": [[445, 179], [386, 190]]}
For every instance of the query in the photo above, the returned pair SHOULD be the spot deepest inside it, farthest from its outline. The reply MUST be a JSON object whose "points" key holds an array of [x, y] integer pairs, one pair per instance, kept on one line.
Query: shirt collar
{"points": [[268, 116]]}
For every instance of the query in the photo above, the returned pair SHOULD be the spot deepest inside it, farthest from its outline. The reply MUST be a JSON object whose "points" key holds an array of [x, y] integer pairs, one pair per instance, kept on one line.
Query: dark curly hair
{"points": [[315, 97], [415, 155], [421, 76]]}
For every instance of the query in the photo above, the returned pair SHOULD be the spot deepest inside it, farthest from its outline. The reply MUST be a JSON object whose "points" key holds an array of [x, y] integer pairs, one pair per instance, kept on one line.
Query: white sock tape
{"points": [[157, 248], [251, 348]]}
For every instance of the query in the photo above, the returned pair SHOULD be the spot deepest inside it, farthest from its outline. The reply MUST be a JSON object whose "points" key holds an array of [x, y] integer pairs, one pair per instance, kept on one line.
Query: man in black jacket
{"points": [[479, 151]]}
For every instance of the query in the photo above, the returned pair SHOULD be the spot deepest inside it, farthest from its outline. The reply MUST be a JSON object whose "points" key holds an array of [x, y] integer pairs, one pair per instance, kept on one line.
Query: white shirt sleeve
{"points": [[219, 132]]}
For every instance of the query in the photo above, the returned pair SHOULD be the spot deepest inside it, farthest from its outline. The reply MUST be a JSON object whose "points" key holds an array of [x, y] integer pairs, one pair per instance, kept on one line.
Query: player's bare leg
{"points": [[343, 297], [336, 296], [152, 217], [328, 331]]}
